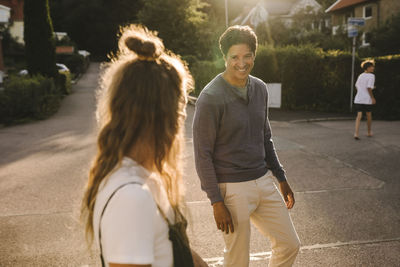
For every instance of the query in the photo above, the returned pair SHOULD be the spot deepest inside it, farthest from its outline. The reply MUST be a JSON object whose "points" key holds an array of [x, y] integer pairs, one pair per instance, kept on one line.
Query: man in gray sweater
{"points": [[234, 155]]}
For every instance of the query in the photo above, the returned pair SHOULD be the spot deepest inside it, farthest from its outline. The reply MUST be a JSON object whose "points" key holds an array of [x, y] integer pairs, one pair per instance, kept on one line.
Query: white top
{"points": [[364, 81], [132, 228]]}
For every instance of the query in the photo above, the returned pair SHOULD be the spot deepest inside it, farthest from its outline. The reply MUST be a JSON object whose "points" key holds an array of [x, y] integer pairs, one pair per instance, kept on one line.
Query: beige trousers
{"points": [[259, 201]]}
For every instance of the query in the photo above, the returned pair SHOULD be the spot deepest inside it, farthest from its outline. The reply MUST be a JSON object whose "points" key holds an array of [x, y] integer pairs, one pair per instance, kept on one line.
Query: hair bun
{"points": [[143, 48]]}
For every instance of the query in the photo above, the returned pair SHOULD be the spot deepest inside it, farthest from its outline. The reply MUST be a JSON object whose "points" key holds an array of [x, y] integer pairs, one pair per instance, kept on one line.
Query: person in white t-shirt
{"points": [[364, 98], [133, 197]]}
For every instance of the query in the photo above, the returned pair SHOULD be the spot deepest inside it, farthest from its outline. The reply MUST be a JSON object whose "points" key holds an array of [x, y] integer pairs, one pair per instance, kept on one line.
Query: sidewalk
{"points": [[306, 116]]}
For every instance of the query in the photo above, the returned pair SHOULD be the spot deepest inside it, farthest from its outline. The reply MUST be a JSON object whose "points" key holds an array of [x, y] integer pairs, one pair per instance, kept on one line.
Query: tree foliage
{"points": [[181, 25], [39, 38], [385, 40], [93, 24], [306, 27]]}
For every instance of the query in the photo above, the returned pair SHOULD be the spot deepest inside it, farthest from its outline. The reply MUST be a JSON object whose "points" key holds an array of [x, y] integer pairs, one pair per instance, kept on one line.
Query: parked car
{"points": [[60, 67]]}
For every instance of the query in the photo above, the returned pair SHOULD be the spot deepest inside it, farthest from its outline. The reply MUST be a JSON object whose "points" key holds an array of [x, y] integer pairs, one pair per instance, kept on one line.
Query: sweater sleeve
{"points": [[205, 127], [271, 157]]}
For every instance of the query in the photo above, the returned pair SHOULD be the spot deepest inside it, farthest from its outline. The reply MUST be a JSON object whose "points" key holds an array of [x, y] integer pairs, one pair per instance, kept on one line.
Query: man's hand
{"points": [[223, 217], [373, 101], [287, 194]]}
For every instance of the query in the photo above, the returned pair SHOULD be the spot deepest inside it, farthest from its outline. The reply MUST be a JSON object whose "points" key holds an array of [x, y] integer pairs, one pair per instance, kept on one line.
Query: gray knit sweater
{"points": [[232, 136]]}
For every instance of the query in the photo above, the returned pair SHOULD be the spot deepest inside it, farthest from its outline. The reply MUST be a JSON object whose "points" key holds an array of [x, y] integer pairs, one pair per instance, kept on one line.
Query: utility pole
{"points": [[353, 55], [352, 32]]}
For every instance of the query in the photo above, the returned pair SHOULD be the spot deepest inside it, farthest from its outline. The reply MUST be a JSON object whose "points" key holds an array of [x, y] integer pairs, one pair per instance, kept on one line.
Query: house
{"points": [[375, 13], [4, 19], [282, 9], [17, 18]]}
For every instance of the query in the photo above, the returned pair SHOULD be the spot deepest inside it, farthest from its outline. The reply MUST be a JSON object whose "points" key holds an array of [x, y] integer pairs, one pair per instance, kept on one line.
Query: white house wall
{"points": [[17, 31]]}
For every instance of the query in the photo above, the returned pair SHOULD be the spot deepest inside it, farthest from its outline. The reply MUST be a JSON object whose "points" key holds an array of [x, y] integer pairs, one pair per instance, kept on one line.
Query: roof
{"points": [[340, 4], [254, 15]]}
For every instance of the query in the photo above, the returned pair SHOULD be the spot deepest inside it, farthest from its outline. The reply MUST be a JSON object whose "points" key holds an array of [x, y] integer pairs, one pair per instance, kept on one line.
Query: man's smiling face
{"points": [[239, 62]]}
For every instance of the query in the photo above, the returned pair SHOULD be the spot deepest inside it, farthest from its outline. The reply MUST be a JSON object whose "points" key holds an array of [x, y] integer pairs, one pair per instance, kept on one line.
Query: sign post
{"points": [[352, 32], [352, 72]]}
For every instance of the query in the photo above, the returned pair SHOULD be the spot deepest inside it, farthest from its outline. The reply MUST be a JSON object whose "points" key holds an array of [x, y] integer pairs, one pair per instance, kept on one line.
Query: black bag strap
{"points": [[101, 216]]}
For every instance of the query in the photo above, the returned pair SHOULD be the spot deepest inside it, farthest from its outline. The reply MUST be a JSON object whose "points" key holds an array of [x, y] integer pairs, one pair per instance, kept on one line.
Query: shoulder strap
{"points": [[101, 216], [163, 215]]}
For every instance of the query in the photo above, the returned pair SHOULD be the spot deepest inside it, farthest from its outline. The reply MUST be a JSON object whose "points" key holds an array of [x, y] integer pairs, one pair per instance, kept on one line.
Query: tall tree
{"points": [[93, 24], [180, 24], [39, 38]]}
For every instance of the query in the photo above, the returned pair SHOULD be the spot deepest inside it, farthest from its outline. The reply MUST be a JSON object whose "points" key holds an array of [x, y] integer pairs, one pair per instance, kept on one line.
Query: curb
{"points": [[322, 119]]}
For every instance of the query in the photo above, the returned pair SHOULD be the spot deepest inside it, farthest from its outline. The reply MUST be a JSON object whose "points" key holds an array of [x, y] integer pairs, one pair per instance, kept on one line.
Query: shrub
{"points": [[76, 63], [28, 97], [336, 81], [387, 93], [204, 71], [266, 65], [311, 78], [63, 83]]}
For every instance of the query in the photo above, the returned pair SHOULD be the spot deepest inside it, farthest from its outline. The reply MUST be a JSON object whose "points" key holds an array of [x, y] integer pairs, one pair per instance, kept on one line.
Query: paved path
{"points": [[43, 167], [347, 200]]}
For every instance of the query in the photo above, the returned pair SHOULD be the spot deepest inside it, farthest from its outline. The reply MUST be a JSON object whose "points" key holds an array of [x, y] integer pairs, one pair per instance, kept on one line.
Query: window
{"points": [[367, 12], [346, 17], [366, 38]]}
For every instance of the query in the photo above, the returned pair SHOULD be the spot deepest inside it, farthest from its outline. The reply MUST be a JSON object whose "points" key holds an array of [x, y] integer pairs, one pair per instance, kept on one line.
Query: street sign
{"points": [[356, 21], [352, 31]]}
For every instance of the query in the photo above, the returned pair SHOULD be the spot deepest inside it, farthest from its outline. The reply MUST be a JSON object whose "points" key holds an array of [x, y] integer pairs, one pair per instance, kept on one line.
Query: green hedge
{"points": [[387, 91], [315, 80], [311, 78], [204, 71], [28, 97], [63, 82], [76, 63]]}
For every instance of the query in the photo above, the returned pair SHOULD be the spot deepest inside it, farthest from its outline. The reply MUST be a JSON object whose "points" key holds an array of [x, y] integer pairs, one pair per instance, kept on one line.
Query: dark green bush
{"points": [[387, 93], [266, 65], [28, 97], [204, 71], [3, 107], [311, 78], [76, 63], [63, 83]]}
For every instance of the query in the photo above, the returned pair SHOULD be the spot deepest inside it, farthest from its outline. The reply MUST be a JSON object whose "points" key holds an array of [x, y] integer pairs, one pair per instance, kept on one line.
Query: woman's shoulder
{"points": [[130, 182], [134, 195]]}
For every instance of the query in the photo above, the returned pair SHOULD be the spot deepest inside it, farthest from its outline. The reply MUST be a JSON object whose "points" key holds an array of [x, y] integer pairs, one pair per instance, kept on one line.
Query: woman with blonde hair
{"points": [[132, 204]]}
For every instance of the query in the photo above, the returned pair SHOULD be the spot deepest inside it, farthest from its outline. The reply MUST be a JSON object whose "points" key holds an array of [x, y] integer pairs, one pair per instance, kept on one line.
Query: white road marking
{"points": [[218, 261], [380, 186]]}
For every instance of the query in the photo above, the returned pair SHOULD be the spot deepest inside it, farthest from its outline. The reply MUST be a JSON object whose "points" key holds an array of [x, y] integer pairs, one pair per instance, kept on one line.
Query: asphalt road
{"points": [[347, 210]]}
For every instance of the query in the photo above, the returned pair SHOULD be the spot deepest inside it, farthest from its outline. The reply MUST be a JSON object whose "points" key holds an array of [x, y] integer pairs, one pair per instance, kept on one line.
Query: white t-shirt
{"points": [[132, 229], [364, 81]]}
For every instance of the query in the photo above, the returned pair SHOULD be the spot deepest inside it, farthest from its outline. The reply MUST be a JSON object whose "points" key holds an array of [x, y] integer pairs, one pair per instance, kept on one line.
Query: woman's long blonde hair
{"points": [[141, 105]]}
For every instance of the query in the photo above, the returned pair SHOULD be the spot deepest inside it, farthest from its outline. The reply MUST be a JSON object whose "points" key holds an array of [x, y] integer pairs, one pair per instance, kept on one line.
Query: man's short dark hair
{"points": [[367, 63], [238, 35]]}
